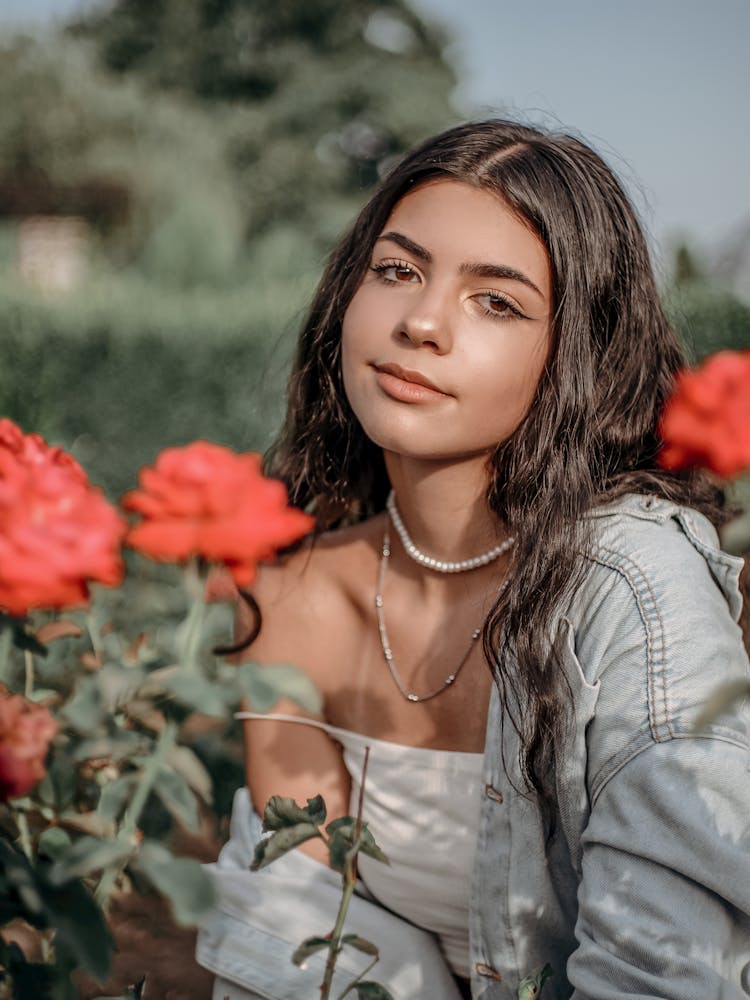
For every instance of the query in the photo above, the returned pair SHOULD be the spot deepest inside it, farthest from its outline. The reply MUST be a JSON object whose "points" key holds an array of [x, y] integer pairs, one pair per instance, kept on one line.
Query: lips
{"points": [[408, 375]]}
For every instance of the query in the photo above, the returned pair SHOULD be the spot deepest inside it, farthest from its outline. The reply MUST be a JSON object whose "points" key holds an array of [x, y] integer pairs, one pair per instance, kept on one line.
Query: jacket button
{"points": [[487, 972], [492, 793]]}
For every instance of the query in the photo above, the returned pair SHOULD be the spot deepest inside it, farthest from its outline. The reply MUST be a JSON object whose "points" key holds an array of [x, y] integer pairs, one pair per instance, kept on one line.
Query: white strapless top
{"points": [[422, 806]]}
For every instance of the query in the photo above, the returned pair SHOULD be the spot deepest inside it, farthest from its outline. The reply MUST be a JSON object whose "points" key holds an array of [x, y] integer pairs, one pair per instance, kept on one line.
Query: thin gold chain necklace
{"points": [[385, 643]]}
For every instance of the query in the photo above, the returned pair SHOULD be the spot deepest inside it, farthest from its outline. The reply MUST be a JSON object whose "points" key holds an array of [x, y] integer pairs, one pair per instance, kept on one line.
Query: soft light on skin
{"points": [[462, 298]]}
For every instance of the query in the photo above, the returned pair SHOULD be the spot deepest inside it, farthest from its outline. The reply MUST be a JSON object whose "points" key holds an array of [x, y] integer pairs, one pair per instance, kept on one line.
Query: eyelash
{"points": [[513, 310], [389, 265]]}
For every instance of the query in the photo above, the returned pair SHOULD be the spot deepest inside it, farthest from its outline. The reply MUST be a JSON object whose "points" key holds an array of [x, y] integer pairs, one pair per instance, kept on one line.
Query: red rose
{"points": [[57, 532], [205, 500], [25, 733], [706, 421]]}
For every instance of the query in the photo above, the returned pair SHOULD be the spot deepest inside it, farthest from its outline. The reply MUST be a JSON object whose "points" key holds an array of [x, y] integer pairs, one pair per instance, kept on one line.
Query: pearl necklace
{"points": [[439, 565], [386, 646]]}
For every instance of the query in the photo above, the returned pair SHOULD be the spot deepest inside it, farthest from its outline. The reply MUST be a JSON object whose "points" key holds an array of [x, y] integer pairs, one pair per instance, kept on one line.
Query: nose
{"points": [[427, 323]]}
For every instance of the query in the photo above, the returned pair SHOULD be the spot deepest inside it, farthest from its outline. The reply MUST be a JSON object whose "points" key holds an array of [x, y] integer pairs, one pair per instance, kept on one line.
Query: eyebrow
{"points": [[474, 270]]}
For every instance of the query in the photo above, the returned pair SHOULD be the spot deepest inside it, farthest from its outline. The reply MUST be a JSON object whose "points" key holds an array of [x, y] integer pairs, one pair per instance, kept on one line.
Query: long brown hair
{"points": [[590, 434]]}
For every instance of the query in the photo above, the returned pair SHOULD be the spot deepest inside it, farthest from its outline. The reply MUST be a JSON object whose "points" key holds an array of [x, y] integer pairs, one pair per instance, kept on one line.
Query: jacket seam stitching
{"points": [[627, 568], [625, 760]]}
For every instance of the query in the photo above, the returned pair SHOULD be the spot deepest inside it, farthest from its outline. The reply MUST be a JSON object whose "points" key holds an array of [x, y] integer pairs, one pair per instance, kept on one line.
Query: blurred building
{"points": [[56, 226]]}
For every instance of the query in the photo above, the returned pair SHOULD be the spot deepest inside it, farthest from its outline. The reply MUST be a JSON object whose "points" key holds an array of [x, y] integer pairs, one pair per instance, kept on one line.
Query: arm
{"points": [[292, 760], [664, 901], [664, 898]]}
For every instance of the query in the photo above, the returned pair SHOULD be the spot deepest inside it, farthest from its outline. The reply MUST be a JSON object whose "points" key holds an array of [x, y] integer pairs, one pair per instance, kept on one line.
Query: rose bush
{"points": [[706, 421], [26, 731], [100, 746]]}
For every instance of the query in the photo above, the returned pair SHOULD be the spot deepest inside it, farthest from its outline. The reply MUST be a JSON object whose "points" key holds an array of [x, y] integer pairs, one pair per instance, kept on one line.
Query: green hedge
{"points": [[116, 381], [709, 319]]}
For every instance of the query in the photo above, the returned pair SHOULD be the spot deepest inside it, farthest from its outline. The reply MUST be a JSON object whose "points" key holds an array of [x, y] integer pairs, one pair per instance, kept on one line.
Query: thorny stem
{"points": [[129, 824], [350, 878], [28, 662]]}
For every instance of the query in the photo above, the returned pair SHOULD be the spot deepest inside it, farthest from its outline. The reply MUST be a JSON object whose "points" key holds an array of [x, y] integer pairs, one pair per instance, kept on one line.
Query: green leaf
{"points": [[530, 987], [342, 832], [361, 944], [368, 846], [176, 795], [85, 710], [197, 693], [117, 745], [281, 812], [339, 847], [372, 991], [54, 842], [308, 947], [344, 824], [89, 854], [36, 980], [184, 882], [20, 896], [57, 788], [265, 685], [114, 797], [80, 930], [80, 927], [118, 685], [279, 843], [187, 763], [22, 885]]}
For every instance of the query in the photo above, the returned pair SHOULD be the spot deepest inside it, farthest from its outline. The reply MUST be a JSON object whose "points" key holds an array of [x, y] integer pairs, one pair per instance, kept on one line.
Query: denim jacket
{"points": [[645, 889]]}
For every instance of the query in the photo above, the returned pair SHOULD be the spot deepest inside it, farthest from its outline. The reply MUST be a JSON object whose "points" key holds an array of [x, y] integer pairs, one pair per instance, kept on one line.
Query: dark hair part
{"points": [[590, 434]]}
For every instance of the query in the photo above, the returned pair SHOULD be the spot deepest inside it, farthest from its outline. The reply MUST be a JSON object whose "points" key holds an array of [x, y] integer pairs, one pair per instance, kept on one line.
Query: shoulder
{"points": [[648, 539], [314, 594], [656, 559], [652, 631]]}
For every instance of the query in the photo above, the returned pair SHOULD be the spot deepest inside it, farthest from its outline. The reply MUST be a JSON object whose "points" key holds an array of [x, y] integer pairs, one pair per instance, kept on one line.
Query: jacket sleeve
{"points": [[664, 900], [664, 894]]}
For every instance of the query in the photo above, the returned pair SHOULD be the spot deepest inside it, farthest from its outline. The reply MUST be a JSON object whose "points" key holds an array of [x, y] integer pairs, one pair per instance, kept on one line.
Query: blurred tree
{"points": [[702, 304], [686, 268], [319, 95], [75, 141]]}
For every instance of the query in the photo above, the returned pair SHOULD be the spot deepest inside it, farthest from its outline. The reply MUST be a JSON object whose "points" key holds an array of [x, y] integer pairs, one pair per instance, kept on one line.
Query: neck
{"points": [[444, 507]]}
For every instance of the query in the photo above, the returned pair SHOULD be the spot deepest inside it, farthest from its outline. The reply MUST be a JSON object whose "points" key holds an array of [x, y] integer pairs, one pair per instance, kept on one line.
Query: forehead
{"points": [[456, 221]]}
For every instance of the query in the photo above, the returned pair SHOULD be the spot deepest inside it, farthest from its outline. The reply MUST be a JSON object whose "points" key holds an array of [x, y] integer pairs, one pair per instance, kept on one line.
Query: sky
{"points": [[660, 87]]}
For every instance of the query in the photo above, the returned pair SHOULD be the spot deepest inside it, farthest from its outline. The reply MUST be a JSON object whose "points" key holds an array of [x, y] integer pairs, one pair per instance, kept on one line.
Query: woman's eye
{"points": [[498, 306], [395, 272]]}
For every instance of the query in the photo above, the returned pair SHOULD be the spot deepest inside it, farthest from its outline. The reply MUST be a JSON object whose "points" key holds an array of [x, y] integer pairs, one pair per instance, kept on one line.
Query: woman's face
{"points": [[446, 338]]}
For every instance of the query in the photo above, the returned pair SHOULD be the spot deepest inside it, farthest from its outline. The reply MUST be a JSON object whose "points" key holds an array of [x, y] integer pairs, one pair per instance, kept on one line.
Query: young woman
{"points": [[507, 600]]}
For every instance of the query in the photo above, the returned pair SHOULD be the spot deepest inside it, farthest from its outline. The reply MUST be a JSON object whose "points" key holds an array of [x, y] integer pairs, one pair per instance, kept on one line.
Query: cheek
{"points": [[508, 385], [350, 354], [355, 334]]}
